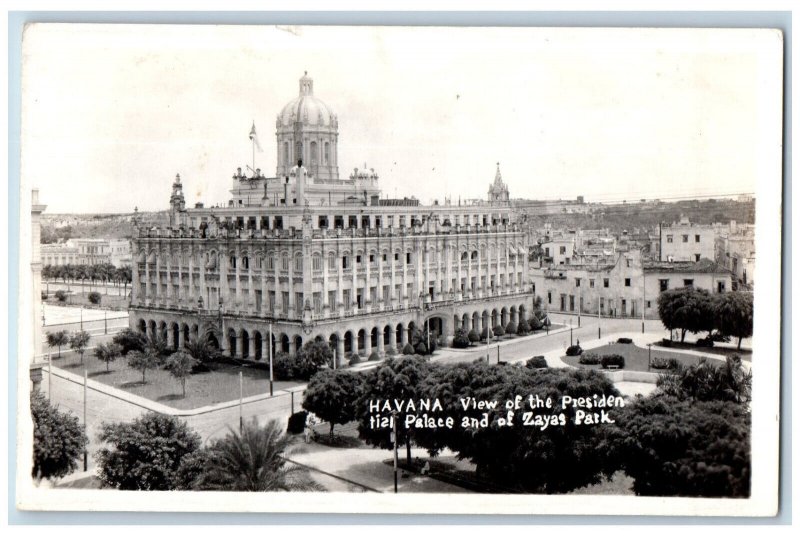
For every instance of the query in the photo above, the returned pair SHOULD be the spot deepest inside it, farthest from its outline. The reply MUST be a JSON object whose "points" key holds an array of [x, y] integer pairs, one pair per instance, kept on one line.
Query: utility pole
{"points": [[270, 359], [241, 399], [105, 322], [598, 317], [394, 440], [85, 425]]}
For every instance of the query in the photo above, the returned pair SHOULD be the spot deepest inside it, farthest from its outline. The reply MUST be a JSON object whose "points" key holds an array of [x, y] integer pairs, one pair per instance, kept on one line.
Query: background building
{"points": [[686, 241]]}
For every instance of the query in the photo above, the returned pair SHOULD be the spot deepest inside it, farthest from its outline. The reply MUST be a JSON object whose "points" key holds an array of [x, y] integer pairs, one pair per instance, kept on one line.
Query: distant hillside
{"points": [[61, 227], [628, 216]]}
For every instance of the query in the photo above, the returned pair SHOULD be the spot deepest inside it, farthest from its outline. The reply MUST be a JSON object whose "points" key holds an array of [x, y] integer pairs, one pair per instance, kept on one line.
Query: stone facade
{"points": [[355, 272]]}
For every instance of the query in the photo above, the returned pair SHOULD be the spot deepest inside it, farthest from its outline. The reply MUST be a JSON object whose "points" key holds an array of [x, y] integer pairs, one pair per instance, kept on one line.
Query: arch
{"points": [[245, 344], [333, 343], [258, 344], [476, 321], [142, 325], [185, 332], [176, 336], [398, 336], [485, 320], [387, 336], [348, 342], [465, 321], [374, 338], [456, 323], [232, 342], [284, 340], [298, 343], [362, 340], [523, 312], [162, 331], [503, 316], [212, 340], [196, 333]]}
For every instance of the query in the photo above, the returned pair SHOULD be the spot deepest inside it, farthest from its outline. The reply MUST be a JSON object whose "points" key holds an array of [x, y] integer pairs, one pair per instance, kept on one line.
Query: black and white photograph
{"points": [[379, 269]]}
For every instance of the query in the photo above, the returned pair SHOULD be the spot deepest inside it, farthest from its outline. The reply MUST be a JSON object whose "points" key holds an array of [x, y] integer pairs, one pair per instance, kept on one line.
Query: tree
{"points": [[519, 457], [94, 297], [58, 339], [308, 360], [523, 328], [733, 314], [706, 382], [79, 341], [674, 447], [686, 309], [201, 350], [61, 295], [130, 340], [107, 353], [253, 460], [143, 361], [399, 379], [461, 338], [474, 336], [146, 453], [58, 440], [180, 365], [332, 395]]}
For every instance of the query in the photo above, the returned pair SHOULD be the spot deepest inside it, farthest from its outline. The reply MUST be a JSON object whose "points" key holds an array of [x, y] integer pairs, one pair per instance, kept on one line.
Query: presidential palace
{"points": [[309, 254]]}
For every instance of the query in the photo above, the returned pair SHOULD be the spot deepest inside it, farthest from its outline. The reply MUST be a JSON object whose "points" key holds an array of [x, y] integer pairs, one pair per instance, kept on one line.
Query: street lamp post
{"points": [[394, 441], [649, 362], [570, 335], [269, 343], [598, 318]]}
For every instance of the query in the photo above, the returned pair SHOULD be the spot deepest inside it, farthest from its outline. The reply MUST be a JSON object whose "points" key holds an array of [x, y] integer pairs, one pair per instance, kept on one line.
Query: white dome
{"points": [[306, 108]]}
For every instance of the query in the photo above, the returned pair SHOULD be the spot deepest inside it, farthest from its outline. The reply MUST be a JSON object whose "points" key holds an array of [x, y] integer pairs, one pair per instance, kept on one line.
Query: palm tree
{"points": [[201, 350], [254, 460], [59, 339], [79, 341]]}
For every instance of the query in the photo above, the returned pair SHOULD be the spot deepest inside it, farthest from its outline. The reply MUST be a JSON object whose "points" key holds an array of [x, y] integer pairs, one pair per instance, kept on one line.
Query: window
{"points": [[549, 297], [345, 262], [233, 261], [279, 222], [323, 222], [605, 283], [408, 258], [669, 239], [591, 284], [298, 263], [697, 257], [384, 257], [317, 296], [685, 238], [352, 221], [577, 281], [663, 284], [627, 281], [331, 262], [688, 282], [648, 304], [628, 262], [372, 259], [358, 259], [562, 250], [332, 299], [720, 286], [697, 238], [317, 260]]}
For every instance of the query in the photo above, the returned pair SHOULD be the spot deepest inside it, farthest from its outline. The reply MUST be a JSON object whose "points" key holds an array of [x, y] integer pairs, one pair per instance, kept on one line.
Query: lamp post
{"points": [[394, 441], [269, 343], [598, 318], [649, 362]]}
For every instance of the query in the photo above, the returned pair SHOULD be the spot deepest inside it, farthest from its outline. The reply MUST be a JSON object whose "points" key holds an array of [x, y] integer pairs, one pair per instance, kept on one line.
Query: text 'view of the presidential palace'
{"points": [[306, 255]]}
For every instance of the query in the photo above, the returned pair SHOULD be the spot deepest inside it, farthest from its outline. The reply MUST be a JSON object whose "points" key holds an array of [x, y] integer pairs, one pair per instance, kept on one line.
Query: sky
{"points": [[112, 112]]}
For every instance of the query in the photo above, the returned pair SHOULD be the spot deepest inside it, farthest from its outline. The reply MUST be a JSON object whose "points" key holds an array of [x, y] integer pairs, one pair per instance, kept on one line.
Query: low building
{"points": [[685, 241], [736, 251], [88, 251], [623, 288]]}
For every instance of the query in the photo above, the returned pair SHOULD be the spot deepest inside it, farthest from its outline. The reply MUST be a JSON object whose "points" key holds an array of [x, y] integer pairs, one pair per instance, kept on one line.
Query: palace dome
{"points": [[306, 108]]}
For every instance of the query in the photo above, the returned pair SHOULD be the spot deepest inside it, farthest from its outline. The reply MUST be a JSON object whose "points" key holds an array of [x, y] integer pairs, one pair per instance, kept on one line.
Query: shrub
{"points": [[130, 340], [44, 295], [662, 363], [536, 362], [613, 360], [624, 340], [575, 349], [95, 297], [61, 295], [484, 334], [535, 323], [421, 348], [716, 336], [461, 338], [666, 342], [511, 328], [297, 422], [391, 351], [408, 349], [498, 331], [705, 343], [355, 359], [523, 328], [375, 356], [282, 366], [474, 336], [589, 359]]}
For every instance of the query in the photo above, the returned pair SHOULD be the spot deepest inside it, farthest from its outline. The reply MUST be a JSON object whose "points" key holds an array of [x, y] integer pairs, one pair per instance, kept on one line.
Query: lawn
{"points": [[745, 353], [77, 298], [220, 385], [635, 357]]}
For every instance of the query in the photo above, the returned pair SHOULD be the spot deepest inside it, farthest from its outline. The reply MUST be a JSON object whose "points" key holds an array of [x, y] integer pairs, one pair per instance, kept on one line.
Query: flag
{"points": [[254, 137]]}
